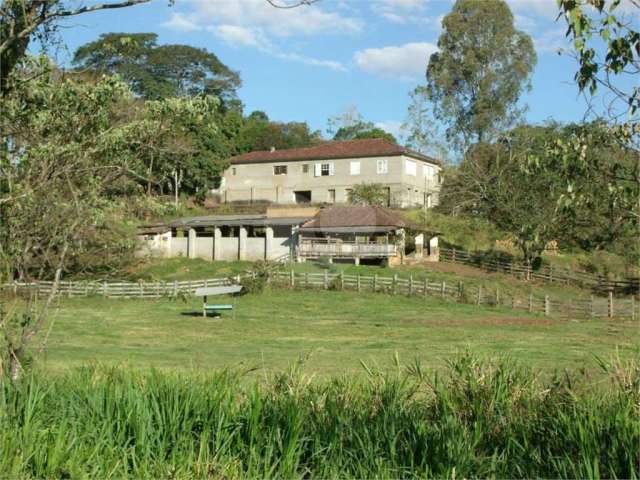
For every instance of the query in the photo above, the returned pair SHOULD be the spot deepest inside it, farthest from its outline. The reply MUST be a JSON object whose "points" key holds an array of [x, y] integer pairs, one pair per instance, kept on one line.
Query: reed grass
{"points": [[482, 418]]}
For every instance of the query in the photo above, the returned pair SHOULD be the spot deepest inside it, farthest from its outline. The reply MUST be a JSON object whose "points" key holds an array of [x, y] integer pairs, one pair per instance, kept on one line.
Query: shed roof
{"points": [[354, 217], [370, 147], [235, 220]]}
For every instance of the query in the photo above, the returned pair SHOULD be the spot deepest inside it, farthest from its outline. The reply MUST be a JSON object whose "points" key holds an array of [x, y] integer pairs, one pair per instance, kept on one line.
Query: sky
{"points": [[313, 62]]}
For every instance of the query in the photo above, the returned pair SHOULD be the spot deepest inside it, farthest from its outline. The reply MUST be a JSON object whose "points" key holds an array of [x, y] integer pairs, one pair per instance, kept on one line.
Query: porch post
{"points": [[242, 244], [268, 243], [419, 245], [217, 243], [191, 244]]}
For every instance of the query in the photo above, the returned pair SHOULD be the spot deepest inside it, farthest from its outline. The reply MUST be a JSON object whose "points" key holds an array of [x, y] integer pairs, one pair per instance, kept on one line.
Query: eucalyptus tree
{"points": [[482, 67]]}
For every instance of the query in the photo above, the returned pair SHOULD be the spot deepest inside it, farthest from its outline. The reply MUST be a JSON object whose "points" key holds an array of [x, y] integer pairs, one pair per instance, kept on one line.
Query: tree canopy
{"points": [[482, 66], [158, 71], [260, 133]]}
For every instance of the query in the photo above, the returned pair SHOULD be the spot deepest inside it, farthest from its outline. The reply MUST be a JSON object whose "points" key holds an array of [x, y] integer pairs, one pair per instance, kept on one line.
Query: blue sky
{"points": [[312, 62]]}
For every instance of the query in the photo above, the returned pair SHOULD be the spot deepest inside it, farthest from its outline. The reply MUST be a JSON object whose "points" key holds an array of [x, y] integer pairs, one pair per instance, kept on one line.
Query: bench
{"points": [[215, 308]]}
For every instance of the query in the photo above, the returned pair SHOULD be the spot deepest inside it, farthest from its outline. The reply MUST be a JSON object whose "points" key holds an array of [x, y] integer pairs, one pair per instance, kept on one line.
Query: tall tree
{"points": [[158, 71], [21, 20], [260, 133], [480, 70]]}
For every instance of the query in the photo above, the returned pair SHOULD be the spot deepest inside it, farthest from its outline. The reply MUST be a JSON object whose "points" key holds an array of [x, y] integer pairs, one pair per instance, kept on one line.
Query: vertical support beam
{"points": [[217, 244], [268, 243], [191, 244], [443, 290], [357, 260], [242, 244], [547, 306], [326, 280], [426, 287], [419, 243], [292, 278], [530, 302], [610, 311], [479, 299], [410, 285]]}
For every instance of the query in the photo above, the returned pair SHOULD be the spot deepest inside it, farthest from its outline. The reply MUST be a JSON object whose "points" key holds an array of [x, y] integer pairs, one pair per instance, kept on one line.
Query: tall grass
{"points": [[479, 419]]}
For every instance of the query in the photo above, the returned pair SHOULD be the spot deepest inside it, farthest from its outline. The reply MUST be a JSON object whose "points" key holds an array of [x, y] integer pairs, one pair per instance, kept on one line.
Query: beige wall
{"points": [[257, 182]]}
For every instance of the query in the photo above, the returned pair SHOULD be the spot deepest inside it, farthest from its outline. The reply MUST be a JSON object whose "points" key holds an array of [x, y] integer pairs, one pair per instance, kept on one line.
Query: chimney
{"points": [[272, 149]]}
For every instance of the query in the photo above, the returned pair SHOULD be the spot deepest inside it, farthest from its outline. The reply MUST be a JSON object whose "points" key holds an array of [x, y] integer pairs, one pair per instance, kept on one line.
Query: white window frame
{"points": [[286, 170], [324, 169], [382, 166], [410, 168], [354, 168], [427, 171]]}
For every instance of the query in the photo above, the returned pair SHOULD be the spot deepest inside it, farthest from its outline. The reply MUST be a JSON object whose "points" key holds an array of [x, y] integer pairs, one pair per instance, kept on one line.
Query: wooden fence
{"points": [[547, 273], [574, 308]]}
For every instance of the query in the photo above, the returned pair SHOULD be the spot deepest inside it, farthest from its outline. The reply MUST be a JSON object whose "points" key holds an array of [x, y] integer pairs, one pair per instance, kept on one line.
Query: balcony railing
{"points": [[346, 249]]}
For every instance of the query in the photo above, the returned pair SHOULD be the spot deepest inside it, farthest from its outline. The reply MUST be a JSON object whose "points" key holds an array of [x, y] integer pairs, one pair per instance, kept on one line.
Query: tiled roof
{"points": [[355, 216], [370, 147]]}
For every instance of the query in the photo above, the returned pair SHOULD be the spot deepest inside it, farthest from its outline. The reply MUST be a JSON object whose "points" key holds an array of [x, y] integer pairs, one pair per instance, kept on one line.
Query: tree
{"points": [[350, 125], [368, 194], [421, 128], [21, 20], [481, 68], [590, 19], [158, 71], [65, 145], [259, 133], [492, 182]]}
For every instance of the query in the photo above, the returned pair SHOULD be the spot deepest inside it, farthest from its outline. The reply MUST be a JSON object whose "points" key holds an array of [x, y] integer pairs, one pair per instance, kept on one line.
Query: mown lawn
{"points": [[334, 331]]}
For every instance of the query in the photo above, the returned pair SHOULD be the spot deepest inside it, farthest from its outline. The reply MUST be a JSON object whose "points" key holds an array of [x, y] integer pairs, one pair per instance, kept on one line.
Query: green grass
{"points": [[477, 419], [336, 330], [180, 268]]}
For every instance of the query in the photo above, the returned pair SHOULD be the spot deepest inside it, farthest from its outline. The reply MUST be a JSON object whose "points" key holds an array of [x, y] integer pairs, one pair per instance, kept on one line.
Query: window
{"points": [[305, 168], [427, 171], [324, 169], [354, 168], [332, 195], [280, 170], [382, 166], [410, 167], [233, 171]]}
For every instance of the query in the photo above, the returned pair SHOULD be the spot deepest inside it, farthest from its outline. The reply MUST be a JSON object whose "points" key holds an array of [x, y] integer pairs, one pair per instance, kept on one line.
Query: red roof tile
{"points": [[355, 216], [371, 147]]}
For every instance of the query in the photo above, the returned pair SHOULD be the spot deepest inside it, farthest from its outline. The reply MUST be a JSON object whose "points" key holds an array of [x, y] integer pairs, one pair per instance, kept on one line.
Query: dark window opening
{"points": [[280, 170], [302, 196]]}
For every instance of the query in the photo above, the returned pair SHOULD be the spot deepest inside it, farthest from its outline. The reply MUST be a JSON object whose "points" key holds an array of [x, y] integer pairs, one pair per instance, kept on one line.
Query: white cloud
{"points": [[304, 20], [551, 41], [405, 62], [181, 22], [391, 126], [236, 35], [242, 36]]}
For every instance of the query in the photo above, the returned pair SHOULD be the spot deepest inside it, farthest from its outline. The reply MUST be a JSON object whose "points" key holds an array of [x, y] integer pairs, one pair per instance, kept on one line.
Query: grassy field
{"points": [[335, 330]]}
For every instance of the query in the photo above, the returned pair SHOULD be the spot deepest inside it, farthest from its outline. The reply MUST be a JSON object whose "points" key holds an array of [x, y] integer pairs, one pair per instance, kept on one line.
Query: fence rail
{"points": [[546, 273], [593, 307]]}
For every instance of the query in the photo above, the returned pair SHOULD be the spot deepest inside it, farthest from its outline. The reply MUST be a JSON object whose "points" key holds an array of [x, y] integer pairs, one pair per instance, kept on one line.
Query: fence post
{"points": [[358, 283], [326, 279], [306, 280], [592, 307], [426, 287], [292, 278], [141, 285], [610, 305], [410, 285], [479, 297], [460, 289], [547, 306], [498, 296], [453, 256], [443, 290], [395, 283], [341, 280], [104, 289], [550, 273], [375, 282], [530, 302], [175, 288]]}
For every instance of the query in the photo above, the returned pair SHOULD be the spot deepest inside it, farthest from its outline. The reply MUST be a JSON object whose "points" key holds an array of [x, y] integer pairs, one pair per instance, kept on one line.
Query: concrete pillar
{"points": [[357, 260], [434, 252], [191, 244], [268, 243], [419, 241], [242, 244], [217, 243]]}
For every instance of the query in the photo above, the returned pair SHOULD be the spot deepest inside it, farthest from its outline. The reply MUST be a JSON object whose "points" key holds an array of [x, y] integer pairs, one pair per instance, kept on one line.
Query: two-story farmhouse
{"points": [[325, 173]]}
